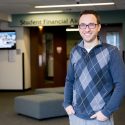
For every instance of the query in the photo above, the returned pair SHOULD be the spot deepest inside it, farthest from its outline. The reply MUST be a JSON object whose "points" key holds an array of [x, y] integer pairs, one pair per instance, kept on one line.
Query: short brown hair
{"points": [[91, 12]]}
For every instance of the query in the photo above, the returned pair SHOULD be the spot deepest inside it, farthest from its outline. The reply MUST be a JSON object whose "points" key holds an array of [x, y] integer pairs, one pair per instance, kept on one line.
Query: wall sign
{"points": [[45, 19]]}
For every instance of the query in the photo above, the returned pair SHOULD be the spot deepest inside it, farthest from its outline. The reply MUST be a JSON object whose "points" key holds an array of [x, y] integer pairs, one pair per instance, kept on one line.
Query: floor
{"points": [[8, 116]]}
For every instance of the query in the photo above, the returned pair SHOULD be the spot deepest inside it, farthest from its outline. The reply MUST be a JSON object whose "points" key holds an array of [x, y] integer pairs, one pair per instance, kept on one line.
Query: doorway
{"points": [[48, 57]]}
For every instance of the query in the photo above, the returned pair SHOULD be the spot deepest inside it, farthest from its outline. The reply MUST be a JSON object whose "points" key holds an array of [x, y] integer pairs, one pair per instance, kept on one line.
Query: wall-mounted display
{"points": [[8, 39]]}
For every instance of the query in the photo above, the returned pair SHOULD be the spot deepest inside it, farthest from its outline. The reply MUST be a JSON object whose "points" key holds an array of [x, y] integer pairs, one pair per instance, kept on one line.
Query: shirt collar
{"points": [[81, 44]]}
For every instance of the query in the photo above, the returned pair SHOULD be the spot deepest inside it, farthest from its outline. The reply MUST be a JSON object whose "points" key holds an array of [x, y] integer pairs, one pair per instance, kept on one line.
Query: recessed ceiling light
{"points": [[76, 5]]}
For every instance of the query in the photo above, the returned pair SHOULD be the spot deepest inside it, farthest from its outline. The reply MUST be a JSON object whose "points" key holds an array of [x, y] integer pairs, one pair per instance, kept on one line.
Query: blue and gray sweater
{"points": [[95, 81]]}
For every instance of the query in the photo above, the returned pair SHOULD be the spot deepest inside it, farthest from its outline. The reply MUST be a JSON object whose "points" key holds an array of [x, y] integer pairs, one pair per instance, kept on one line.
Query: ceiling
{"points": [[24, 6]]}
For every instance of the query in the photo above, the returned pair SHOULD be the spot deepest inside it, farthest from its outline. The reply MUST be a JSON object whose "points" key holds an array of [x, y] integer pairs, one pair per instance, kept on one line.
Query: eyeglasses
{"points": [[90, 26]]}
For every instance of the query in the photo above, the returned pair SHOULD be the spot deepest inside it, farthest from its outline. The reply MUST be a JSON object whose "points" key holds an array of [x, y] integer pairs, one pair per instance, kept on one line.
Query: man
{"points": [[95, 78]]}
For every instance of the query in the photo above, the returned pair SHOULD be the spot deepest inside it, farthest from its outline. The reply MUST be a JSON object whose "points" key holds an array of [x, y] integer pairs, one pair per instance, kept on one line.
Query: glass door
{"points": [[112, 34], [49, 67]]}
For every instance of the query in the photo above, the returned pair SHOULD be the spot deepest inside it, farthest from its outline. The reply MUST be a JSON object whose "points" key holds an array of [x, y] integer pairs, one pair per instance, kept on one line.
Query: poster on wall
{"points": [[11, 55]]}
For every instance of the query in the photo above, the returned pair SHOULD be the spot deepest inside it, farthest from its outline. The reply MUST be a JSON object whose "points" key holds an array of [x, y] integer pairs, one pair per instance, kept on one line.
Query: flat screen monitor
{"points": [[7, 40]]}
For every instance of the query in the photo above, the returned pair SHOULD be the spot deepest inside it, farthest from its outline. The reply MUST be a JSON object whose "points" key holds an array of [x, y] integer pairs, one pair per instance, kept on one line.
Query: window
{"points": [[113, 38]]}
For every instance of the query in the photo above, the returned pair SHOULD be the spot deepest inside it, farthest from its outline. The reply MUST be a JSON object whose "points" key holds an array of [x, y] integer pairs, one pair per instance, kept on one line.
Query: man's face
{"points": [[88, 27]]}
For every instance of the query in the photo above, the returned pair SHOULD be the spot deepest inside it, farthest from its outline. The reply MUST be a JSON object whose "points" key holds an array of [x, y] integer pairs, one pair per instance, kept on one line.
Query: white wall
{"points": [[11, 72]]}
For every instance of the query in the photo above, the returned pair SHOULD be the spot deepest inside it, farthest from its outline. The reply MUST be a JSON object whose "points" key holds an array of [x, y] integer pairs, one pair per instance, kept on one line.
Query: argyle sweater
{"points": [[95, 81]]}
